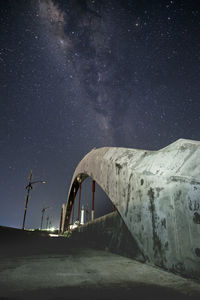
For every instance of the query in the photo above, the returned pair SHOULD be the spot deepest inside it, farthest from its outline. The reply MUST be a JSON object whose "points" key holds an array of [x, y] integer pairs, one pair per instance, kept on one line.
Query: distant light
{"points": [[44, 181], [75, 225], [53, 235], [79, 179], [52, 229]]}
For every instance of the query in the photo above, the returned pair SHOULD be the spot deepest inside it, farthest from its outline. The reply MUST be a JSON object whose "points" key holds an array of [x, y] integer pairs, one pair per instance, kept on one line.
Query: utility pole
{"points": [[47, 222], [28, 188], [50, 222], [42, 218]]}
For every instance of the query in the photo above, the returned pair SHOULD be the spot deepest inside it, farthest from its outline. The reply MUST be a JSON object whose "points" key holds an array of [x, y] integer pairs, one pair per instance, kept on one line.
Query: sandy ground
{"points": [[88, 273]]}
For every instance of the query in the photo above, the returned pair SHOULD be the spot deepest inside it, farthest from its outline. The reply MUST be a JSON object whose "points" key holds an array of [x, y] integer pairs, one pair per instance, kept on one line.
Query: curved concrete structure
{"points": [[157, 193]]}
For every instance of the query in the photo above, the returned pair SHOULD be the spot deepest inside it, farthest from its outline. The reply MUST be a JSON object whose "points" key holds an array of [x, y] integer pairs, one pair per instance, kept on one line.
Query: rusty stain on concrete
{"points": [[156, 194], [157, 245], [197, 251], [196, 218]]}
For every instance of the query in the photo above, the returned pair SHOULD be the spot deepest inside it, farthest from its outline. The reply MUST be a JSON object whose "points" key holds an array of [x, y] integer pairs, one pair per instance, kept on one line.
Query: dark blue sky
{"points": [[82, 74]]}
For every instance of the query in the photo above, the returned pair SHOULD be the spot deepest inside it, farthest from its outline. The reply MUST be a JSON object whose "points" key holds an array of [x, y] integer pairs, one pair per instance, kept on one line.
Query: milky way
{"points": [[81, 74]]}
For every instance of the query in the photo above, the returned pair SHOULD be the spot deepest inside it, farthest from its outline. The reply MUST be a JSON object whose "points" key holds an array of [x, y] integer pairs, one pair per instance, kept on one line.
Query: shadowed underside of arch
{"points": [[156, 194]]}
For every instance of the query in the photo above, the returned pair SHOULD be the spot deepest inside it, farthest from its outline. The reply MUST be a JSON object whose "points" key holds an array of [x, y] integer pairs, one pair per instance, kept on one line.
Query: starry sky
{"points": [[79, 74]]}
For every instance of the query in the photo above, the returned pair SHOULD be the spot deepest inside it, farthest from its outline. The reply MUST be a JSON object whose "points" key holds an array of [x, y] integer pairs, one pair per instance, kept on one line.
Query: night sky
{"points": [[77, 74]]}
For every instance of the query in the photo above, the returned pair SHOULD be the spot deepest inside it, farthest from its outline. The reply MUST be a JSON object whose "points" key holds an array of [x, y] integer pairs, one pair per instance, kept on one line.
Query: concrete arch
{"points": [[156, 194]]}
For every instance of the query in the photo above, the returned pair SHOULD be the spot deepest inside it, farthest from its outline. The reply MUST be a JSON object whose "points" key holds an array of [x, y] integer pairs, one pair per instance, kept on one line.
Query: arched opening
{"points": [[87, 196], [108, 232]]}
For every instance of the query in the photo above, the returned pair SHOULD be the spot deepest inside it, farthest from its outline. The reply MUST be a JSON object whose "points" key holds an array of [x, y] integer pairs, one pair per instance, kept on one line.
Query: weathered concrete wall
{"points": [[108, 233], [157, 194]]}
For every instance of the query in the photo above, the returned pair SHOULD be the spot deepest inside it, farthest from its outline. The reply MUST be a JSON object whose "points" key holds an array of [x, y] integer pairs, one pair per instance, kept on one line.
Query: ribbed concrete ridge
{"points": [[157, 194]]}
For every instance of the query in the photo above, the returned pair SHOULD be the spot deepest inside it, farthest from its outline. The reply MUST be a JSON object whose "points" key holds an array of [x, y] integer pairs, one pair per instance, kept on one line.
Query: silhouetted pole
{"points": [[42, 218], [28, 187], [50, 222], [43, 211], [47, 222], [93, 191], [79, 202]]}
